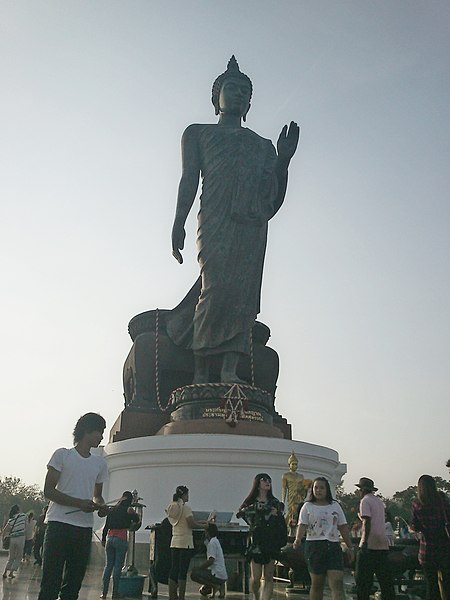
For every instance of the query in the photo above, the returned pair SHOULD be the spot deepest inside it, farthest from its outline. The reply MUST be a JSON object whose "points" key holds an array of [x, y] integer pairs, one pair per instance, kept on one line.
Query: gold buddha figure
{"points": [[294, 490]]}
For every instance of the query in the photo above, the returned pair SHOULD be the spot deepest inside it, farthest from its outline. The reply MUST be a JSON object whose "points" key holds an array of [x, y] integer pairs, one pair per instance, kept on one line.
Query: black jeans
{"points": [[66, 549], [368, 563], [37, 549], [180, 559]]}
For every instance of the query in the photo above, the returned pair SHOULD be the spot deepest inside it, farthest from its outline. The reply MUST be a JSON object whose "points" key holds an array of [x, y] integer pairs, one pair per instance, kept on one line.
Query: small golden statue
{"points": [[294, 490]]}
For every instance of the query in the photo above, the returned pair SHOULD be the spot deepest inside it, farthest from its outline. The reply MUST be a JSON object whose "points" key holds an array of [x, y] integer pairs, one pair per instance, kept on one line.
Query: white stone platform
{"points": [[217, 469]]}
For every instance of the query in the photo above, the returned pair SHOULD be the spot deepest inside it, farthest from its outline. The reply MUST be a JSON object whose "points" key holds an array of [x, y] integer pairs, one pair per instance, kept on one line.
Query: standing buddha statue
{"points": [[294, 490]]}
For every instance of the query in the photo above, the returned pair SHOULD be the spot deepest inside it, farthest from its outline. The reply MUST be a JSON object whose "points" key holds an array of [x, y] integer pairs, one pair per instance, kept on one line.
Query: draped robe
{"points": [[239, 189]]}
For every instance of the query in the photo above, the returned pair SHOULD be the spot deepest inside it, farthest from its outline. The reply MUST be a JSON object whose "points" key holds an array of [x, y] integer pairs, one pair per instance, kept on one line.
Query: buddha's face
{"points": [[234, 98], [293, 466]]}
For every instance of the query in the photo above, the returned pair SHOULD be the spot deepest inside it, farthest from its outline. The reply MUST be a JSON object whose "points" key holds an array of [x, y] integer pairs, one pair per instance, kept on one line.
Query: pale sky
{"points": [[95, 97]]}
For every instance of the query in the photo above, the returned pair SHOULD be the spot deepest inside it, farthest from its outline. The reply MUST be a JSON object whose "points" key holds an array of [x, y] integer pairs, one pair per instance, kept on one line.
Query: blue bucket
{"points": [[132, 586]]}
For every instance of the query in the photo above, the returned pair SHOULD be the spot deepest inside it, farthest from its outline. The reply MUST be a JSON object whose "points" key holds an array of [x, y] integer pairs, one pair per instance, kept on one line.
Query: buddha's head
{"points": [[293, 462], [232, 91]]}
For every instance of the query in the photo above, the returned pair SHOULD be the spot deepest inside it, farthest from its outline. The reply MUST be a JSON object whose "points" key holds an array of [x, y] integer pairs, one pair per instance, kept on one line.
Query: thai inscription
{"points": [[218, 412]]}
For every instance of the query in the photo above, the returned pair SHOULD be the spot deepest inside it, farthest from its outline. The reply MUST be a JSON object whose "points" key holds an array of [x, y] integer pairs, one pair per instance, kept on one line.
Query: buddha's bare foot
{"points": [[229, 367], [201, 378], [229, 377], [201, 370]]}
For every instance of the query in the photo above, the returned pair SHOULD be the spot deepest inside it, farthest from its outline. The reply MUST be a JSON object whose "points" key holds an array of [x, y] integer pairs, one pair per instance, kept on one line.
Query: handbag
{"points": [[279, 531], [6, 538]]}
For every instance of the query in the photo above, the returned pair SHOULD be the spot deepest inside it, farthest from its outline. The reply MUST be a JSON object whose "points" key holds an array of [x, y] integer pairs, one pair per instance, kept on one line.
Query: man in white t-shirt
{"points": [[212, 574], [74, 485], [372, 558]]}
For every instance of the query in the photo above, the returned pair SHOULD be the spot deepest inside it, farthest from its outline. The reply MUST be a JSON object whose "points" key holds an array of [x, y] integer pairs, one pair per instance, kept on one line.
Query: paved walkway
{"points": [[25, 586]]}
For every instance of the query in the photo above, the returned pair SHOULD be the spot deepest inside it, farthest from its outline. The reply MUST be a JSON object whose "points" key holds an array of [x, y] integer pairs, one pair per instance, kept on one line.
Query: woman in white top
{"points": [[323, 519], [388, 529], [182, 545]]}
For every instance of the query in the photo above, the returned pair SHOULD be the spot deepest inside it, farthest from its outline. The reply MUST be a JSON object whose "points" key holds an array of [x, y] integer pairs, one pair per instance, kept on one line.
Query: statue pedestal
{"points": [[159, 399], [226, 408]]}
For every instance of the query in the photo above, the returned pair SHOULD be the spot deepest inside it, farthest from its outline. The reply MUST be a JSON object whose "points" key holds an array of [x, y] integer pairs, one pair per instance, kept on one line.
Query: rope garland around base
{"points": [[158, 396], [252, 358]]}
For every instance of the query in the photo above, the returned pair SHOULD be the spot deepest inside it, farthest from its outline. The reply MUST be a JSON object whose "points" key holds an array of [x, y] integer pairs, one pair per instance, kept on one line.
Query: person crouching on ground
{"points": [[212, 573]]}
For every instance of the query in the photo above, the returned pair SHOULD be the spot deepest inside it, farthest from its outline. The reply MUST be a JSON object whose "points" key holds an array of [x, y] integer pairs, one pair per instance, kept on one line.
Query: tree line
{"points": [[14, 491], [31, 498], [398, 506]]}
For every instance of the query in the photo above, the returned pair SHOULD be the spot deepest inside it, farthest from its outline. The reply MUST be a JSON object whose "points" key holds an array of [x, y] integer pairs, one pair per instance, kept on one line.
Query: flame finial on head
{"points": [[233, 64], [292, 458], [232, 71]]}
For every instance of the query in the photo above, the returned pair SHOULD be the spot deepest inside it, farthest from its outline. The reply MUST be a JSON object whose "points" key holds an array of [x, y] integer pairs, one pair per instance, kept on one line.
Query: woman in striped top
{"points": [[15, 528]]}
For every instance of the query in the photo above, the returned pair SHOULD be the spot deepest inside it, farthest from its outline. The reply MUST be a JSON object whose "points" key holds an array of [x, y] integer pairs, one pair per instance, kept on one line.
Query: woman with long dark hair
{"points": [[15, 530], [431, 517], [322, 519], [182, 544], [115, 539], [268, 534]]}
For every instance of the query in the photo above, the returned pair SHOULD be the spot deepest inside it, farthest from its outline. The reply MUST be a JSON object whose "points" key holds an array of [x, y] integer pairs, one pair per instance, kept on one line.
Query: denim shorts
{"points": [[322, 556]]}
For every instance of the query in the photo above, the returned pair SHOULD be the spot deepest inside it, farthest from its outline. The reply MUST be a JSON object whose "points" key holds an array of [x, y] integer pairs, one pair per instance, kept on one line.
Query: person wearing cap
{"points": [[372, 557], [182, 544]]}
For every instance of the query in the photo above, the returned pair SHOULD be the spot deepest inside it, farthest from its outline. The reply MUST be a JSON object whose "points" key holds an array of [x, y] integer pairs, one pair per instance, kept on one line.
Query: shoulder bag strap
{"points": [[13, 525]]}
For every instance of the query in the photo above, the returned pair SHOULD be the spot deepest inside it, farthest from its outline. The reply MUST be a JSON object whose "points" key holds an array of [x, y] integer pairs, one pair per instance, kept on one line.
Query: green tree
{"points": [[398, 507], [401, 502], [349, 503], [14, 491], [443, 485]]}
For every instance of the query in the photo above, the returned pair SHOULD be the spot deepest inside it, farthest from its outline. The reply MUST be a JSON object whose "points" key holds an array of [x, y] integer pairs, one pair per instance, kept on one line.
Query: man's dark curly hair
{"points": [[87, 424]]}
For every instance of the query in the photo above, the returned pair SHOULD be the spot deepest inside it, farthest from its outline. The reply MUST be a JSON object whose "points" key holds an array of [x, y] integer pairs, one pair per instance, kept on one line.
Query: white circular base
{"points": [[217, 469]]}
